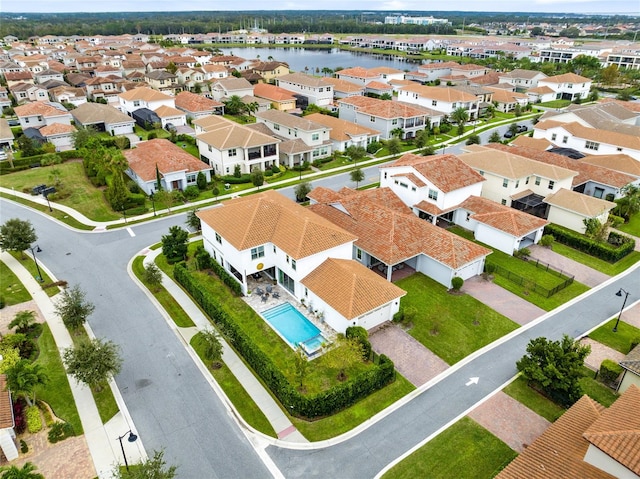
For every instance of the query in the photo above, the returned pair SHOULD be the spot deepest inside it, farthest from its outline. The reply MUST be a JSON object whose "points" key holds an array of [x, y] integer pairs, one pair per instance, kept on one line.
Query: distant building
{"points": [[402, 20]]}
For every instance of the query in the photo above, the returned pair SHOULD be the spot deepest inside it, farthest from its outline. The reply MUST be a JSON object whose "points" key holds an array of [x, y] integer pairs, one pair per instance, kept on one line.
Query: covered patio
{"points": [[398, 271]]}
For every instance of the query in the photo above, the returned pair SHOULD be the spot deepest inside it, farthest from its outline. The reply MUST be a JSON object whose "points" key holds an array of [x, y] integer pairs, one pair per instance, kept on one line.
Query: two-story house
{"points": [[442, 99], [24, 92], [225, 88], [102, 87], [271, 70], [163, 81], [223, 144], [343, 133], [40, 113], [521, 79], [280, 98], [568, 86], [308, 89], [190, 78], [144, 97]]}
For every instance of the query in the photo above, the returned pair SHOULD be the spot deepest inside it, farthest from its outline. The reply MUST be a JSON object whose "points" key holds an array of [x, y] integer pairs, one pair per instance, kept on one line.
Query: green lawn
{"points": [[30, 265], [555, 103], [465, 450], [548, 304], [57, 393], [450, 325], [597, 390], [13, 291], [605, 267], [83, 196], [632, 227], [621, 339], [520, 391], [57, 214], [235, 392]]}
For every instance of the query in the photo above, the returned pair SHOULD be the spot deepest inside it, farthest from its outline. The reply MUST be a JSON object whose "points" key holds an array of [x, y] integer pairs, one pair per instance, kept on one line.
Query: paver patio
{"points": [[582, 273], [510, 421], [415, 362], [599, 352]]}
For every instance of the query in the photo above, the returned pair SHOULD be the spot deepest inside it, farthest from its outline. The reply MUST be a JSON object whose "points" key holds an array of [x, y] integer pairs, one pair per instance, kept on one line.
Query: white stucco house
{"points": [[38, 114], [315, 90], [568, 86], [144, 97], [442, 99], [631, 370], [569, 209]]}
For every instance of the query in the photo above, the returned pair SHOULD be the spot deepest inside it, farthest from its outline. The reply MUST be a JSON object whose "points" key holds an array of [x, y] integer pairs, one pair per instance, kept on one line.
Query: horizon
{"points": [[536, 7]]}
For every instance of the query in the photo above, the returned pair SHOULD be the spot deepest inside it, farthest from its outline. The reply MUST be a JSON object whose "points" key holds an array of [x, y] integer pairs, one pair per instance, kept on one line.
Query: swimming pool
{"points": [[294, 328]]}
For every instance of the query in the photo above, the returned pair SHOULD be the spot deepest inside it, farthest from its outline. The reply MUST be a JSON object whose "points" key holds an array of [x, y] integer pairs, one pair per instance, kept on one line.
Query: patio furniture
{"points": [[264, 298], [260, 291], [269, 289], [276, 295]]}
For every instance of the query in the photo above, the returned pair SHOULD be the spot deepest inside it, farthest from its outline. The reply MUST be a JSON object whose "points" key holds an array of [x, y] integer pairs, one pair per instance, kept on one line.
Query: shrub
{"points": [[268, 172], [34, 421], [445, 128], [317, 163], [609, 371], [60, 431], [19, 416], [398, 317], [191, 192], [409, 313], [522, 253], [275, 169], [547, 240], [634, 343], [615, 221], [618, 247], [373, 147], [139, 210], [152, 135], [237, 180], [362, 336], [24, 448], [457, 282]]}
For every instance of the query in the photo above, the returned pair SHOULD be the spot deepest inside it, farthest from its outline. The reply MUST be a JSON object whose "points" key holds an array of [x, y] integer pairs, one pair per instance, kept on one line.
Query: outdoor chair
{"points": [[260, 291], [269, 289], [276, 295], [264, 298]]}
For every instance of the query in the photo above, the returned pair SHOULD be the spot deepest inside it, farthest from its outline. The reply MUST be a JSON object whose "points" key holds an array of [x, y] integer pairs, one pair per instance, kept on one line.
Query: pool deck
{"points": [[257, 304]]}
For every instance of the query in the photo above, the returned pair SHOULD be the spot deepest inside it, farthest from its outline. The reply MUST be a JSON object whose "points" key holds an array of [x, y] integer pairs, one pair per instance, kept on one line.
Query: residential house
{"points": [[40, 113], [256, 104], [588, 140], [163, 81], [522, 79], [47, 75], [506, 101], [307, 89], [68, 94], [177, 168], [568, 86], [442, 99], [59, 135], [344, 88], [280, 98], [18, 77], [378, 89], [610, 116], [386, 116], [6, 136], [214, 72], [630, 370], [620, 163], [289, 127], [7, 422], [191, 79], [570, 209], [343, 133], [541, 94], [231, 86], [390, 237], [270, 70], [223, 144], [388, 74], [358, 75], [108, 71], [144, 97], [170, 116], [431, 71], [197, 106], [105, 88], [4, 97], [103, 118], [26, 92], [307, 255], [588, 440]]}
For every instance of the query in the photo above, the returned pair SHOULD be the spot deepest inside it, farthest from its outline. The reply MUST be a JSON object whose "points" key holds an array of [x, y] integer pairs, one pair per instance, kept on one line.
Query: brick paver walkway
{"points": [[415, 362], [504, 302], [9, 312], [510, 421], [583, 274], [599, 352]]}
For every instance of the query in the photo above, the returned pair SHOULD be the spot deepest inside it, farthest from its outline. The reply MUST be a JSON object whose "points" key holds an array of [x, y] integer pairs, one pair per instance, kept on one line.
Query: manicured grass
{"points": [[355, 415], [603, 266], [465, 450], [525, 269], [57, 393], [57, 214], [597, 390], [555, 103], [520, 391], [450, 325], [632, 227], [548, 304], [13, 291], [28, 263], [83, 196], [179, 316], [621, 339], [242, 401]]}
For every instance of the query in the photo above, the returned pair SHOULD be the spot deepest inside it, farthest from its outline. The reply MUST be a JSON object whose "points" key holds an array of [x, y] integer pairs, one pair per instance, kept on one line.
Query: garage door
{"points": [[375, 318]]}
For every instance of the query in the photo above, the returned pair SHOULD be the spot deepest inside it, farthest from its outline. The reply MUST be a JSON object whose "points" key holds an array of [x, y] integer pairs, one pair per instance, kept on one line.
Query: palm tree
{"points": [[460, 116], [397, 132], [234, 105], [24, 377], [27, 472], [23, 321], [356, 153], [327, 71]]}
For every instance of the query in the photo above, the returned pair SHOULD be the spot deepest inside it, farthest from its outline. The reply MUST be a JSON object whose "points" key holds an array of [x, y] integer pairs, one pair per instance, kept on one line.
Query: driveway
{"points": [[415, 362], [583, 274], [599, 352], [504, 302]]}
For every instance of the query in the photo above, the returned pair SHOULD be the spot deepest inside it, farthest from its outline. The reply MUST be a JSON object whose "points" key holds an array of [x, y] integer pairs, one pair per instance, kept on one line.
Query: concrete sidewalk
{"points": [[285, 430], [101, 439]]}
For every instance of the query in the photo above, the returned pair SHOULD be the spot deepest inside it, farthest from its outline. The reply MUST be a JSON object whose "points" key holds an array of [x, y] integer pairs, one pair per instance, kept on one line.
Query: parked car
{"points": [[13, 121], [508, 134], [170, 127], [522, 128]]}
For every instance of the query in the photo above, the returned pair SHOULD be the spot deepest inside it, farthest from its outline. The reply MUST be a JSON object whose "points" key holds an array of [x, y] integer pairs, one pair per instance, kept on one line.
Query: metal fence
{"points": [[530, 284]]}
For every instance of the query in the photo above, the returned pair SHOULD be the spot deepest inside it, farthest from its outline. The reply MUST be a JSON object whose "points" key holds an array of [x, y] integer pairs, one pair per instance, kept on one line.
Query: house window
{"points": [[468, 216], [136, 102], [293, 264], [413, 188], [537, 181], [433, 194], [276, 127], [565, 139], [504, 202], [274, 249], [257, 252], [315, 136], [385, 175], [358, 253], [551, 184], [306, 292], [233, 152], [505, 183], [481, 172], [191, 178], [517, 183], [592, 145], [394, 121], [553, 137], [218, 238], [404, 185]]}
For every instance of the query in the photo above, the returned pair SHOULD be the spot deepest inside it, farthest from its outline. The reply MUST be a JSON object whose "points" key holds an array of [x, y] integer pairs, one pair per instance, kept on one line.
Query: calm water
{"points": [[301, 58]]}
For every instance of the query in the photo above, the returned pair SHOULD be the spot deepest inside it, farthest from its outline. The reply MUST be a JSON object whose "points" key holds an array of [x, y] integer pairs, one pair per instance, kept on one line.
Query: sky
{"points": [[547, 6]]}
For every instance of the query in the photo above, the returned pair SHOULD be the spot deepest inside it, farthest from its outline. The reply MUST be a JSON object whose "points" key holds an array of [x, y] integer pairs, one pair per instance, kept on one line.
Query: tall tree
{"points": [[174, 245], [152, 276], [357, 176], [212, 346], [17, 235], [495, 137], [257, 176], [302, 190], [356, 153], [24, 377], [82, 135], [154, 467], [460, 116], [394, 146], [117, 193], [73, 308], [93, 361]]}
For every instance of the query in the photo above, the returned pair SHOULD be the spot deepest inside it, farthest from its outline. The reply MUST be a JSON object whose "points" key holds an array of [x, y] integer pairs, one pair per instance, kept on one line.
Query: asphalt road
{"points": [[175, 408]]}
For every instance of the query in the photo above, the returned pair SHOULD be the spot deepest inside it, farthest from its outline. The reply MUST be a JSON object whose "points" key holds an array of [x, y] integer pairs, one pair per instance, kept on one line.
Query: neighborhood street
{"points": [[174, 407]]}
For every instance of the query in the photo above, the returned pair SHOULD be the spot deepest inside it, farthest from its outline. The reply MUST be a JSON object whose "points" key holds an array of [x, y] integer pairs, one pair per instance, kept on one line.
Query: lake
{"points": [[316, 59]]}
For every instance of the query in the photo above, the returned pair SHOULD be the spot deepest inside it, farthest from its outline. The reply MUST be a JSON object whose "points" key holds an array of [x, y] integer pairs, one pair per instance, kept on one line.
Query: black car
{"points": [[508, 134], [522, 128], [13, 122]]}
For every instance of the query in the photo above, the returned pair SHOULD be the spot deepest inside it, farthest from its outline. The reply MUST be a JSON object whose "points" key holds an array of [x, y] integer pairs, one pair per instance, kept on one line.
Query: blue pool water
{"points": [[294, 327]]}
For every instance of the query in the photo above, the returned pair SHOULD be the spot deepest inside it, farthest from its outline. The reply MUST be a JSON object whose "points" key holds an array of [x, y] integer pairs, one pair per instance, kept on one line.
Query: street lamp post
{"points": [[132, 438], [626, 296], [36, 249], [46, 197]]}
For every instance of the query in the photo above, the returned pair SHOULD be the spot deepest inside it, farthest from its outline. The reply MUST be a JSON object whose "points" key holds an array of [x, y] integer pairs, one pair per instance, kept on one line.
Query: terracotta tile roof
{"points": [[447, 172], [56, 129], [306, 80], [509, 165], [167, 156], [522, 73], [144, 93], [345, 85], [629, 105], [6, 407], [620, 162], [5, 130], [376, 85], [530, 142], [559, 451], [594, 134], [38, 108], [394, 235], [388, 109], [586, 172], [165, 111], [272, 92], [542, 90], [341, 130], [295, 146], [385, 70], [617, 431], [269, 217], [579, 203], [23, 75], [224, 134], [445, 94], [191, 102], [632, 360], [411, 177], [501, 217], [350, 288], [504, 96], [567, 78], [358, 72], [289, 120]]}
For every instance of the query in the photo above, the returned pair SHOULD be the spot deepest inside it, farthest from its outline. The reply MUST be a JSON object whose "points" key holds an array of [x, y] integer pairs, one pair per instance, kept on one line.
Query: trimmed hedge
{"points": [[34, 421], [609, 371], [205, 261], [324, 403], [606, 251], [362, 336], [232, 180]]}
